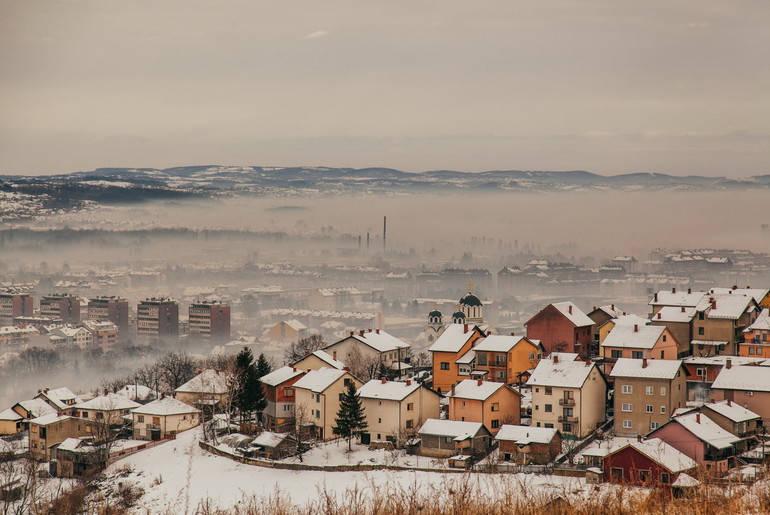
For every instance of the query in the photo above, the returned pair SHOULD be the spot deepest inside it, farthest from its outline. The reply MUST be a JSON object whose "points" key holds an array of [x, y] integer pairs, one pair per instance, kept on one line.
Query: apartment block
{"points": [[112, 309], [210, 320], [14, 305], [61, 305], [157, 318]]}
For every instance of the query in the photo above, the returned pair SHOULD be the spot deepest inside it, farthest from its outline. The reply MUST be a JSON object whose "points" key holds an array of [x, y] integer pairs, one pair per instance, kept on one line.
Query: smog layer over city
{"points": [[398, 258]]}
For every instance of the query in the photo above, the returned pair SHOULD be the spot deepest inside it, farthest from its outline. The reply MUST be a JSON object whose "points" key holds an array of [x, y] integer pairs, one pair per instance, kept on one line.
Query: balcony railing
{"points": [[568, 420], [567, 401]]}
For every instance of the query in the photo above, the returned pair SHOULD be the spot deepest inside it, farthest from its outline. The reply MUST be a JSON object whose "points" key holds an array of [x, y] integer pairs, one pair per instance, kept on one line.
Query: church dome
{"points": [[470, 300], [458, 317], [435, 314]]}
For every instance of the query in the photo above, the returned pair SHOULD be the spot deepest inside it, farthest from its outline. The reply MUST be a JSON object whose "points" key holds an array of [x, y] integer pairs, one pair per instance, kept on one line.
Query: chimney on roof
{"points": [[569, 308], [383, 380], [489, 333], [729, 402], [479, 382], [713, 304], [334, 354], [293, 369], [352, 333], [361, 332], [656, 297], [689, 290], [644, 362], [555, 358], [636, 328], [735, 286], [594, 308], [512, 333], [659, 315], [612, 307], [105, 391], [465, 328], [173, 395], [308, 370], [409, 382], [453, 390], [588, 362], [370, 330], [45, 390], [728, 363], [377, 331], [346, 369], [697, 418], [162, 395], [673, 290], [682, 309]]}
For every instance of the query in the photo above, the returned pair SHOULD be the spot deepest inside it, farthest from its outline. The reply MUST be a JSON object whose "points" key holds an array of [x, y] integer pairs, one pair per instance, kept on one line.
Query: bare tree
{"points": [[303, 347], [365, 367], [176, 368]]}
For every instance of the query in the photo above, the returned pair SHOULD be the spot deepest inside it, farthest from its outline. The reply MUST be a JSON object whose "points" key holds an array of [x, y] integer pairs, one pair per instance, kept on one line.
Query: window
{"points": [[700, 315], [288, 391], [650, 390], [500, 359], [751, 351], [665, 478], [531, 356], [156, 420], [481, 359], [664, 337], [546, 425], [463, 404], [507, 456], [444, 365], [495, 406], [409, 424], [662, 410], [341, 396], [637, 354], [627, 388], [379, 421], [549, 408], [318, 397], [410, 406], [288, 407], [567, 428], [616, 353], [759, 351], [701, 331], [627, 424], [84, 414], [644, 475], [447, 439], [548, 390], [627, 407], [701, 372], [495, 424], [748, 394], [140, 418], [99, 415], [318, 413], [347, 381], [654, 425], [662, 391], [648, 408]]}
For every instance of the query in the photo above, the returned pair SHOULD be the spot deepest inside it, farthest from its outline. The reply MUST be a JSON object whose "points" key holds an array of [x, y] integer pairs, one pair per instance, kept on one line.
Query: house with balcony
{"points": [[745, 385], [701, 439], [647, 391], [395, 410], [49, 430], [736, 419], [491, 403], [719, 324], [568, 394], [16, 418], [317, 400], [278, 387], [454, 344], [703, 371], [210, 389], [562, 327], [638, 342], [679, 321], [505, 358], [756, 337], [111, 409]]}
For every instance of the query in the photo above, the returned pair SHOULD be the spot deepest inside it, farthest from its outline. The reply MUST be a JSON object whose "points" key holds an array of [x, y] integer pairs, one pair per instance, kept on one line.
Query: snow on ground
{"points": [[336, 453], [178, 475]]}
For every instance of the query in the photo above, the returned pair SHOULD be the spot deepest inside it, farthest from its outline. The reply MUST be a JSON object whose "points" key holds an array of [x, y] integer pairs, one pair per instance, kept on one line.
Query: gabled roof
{"points": [[743, 377], [109, 402], [165, 406], [679, 298], [58, 395], [577, 317], [280, 375], [634, 336], [524, 435], [655, 369], [378, 340], [729, 307], [680, 314], [36, 407], [137, 392], [48, 419], [295, 324], [706, 430], [328, 359], [456, 429], [610, 309], [390, 390], [731, 410], [319, 380], [269, 439], [471, 389], [499, 343], [662, 453], [758, 294], [722, 360], [564, 373], [208, 381], [9, 414], [628, 320], [762, 323], [466, 358], [453, 338]]}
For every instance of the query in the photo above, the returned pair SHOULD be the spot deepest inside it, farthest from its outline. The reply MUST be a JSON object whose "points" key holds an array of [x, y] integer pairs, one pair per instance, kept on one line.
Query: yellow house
{"points": [[568, 394], [506, 359], [209, 388], [316, 360], [453, 345], [105, 409], [317, 400], [162, 418], [11, 422], [396, 410], [607, 326], [44, 432]]}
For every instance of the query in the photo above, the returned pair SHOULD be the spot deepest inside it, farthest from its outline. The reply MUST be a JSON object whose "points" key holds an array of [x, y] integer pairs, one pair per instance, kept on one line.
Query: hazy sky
{"points": [[615, 86]]}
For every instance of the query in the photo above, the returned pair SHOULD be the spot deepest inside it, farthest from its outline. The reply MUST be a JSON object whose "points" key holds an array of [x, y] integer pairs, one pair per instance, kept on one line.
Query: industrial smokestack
{"points": [[367, 242], [384, 233]]}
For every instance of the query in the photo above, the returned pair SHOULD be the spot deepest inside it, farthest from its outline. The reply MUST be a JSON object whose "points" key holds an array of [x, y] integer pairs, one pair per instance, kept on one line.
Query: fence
{"points": [[117, 455]]}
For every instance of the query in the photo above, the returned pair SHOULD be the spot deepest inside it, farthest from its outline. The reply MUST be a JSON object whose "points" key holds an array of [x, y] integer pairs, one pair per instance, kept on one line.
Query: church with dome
{"points": [[470, 310]]}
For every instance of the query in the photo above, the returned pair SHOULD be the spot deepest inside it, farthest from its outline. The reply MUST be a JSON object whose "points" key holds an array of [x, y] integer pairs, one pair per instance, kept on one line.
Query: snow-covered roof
{"points": [[390, 390], [685, 480], [165, 406], [59, 395], [743, 377], [564, 373], [678, 298], [295, 324], [577, 317], [466, 358], [731, 410], [280, 375], [457, 429], [109, 402], [36, 407], [498, 343], [71, 444], [137, 392], [9, 414], [758, 294], [48, 419], [269, 439], [471, 389], [379, 340], [722, 360], [208, 381], [524, 435], [762, 323], [628, 320], [674, 314], [453, 338], [706, 430], [328, 359], [729, 307], [661, 452], [319, 380], [612, 310], [634, 336], [655, 368]]}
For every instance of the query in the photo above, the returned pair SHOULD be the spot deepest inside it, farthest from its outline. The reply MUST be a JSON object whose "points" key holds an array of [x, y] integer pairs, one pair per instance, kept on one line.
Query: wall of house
{"points": [[758, 402], [641, 421], [508, 412], [631, 461], [169, 424], [536, 453], [9, 427], [55, 433], [322, 413], [554, 330], [682, 332], [390, 417], [682, 440]]}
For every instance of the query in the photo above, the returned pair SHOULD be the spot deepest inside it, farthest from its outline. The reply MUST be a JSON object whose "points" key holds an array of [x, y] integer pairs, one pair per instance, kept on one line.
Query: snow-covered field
{"points": [[177, 476]]}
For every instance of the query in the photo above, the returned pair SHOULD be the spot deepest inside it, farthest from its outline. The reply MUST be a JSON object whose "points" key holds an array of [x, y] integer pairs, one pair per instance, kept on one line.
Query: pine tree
{"points": [[263, 366], [351, 419], [248, 395]]}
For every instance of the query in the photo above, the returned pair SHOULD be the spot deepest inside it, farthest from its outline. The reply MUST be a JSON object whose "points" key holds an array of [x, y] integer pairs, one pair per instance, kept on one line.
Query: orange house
{"points": [[756, 337], [492, 404], [506, 358], [637, 342], [454, 343]]}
